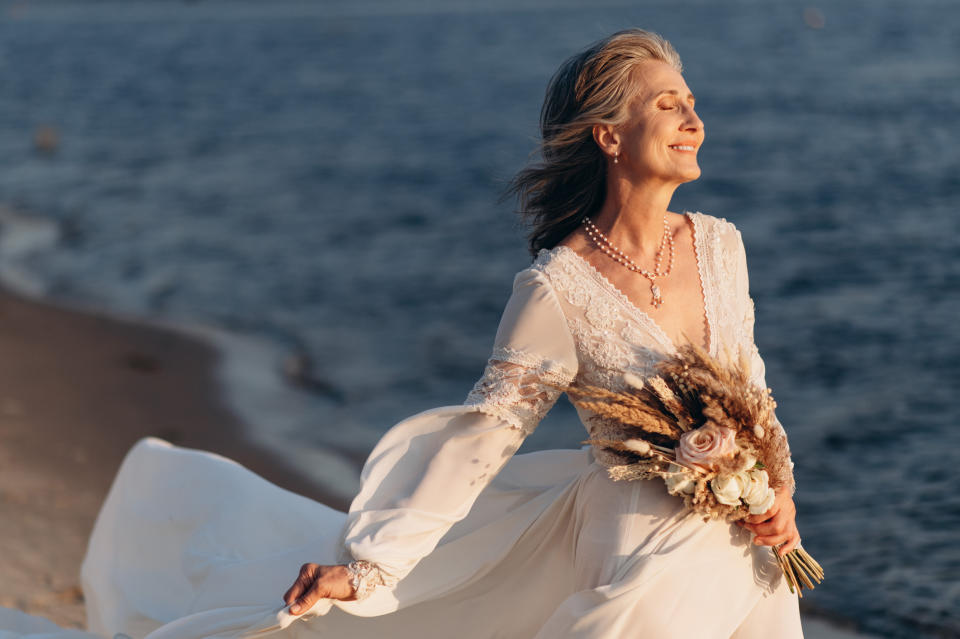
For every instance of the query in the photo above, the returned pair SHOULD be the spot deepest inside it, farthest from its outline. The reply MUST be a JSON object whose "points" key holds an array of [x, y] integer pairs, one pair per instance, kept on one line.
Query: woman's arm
{"points": [[778, 524], [425, 473]]}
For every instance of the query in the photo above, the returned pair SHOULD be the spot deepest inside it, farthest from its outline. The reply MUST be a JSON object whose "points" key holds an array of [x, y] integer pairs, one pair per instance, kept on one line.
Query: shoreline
{"points": [[77, 390]]}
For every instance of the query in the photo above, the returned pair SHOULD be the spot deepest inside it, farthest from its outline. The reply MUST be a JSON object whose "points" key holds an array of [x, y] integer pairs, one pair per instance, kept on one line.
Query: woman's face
{"points": [[662, 134]]}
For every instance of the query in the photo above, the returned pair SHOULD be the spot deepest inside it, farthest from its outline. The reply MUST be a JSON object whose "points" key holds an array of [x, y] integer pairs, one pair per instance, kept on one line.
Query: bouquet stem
{"points": [[799, 569]]}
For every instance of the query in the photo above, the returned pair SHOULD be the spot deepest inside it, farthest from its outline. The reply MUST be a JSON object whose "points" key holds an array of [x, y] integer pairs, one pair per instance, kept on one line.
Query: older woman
{"points": [[451, 533], [618, 281]]}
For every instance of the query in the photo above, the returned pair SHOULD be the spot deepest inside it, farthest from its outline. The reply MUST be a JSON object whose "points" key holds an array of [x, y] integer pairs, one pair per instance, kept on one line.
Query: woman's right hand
{"points": [[317, 582]]}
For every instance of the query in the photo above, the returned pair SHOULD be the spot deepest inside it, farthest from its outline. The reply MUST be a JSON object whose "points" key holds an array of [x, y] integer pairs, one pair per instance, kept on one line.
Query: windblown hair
{"points": [[590, 88]]}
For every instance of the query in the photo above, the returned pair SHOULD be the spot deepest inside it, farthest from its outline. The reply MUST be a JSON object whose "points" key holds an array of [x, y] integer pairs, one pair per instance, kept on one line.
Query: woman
{"points": [[620, 134], [445, 534]]}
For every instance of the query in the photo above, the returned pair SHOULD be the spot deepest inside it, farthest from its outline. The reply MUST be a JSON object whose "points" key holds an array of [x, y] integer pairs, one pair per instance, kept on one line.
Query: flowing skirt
{"points": [[190, 544]]}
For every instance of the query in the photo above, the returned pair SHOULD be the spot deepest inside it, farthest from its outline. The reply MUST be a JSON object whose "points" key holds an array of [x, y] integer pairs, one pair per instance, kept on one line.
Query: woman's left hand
{"points": [[316, 582], [776, 526]]}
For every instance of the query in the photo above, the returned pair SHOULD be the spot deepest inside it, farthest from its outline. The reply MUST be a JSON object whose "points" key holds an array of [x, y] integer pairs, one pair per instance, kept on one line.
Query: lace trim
{"points": [[365, 576], [720, 282], [370, 573], [707, 287], [518, 388]]}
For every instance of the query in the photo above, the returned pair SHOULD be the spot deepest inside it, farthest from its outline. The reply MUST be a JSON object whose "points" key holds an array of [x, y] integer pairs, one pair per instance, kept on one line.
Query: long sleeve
{"points": [[783, 474], [425, 473]]}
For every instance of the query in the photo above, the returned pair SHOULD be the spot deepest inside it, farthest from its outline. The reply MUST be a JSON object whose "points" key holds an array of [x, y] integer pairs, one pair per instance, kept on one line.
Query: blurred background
{"points": [[313, 188]]}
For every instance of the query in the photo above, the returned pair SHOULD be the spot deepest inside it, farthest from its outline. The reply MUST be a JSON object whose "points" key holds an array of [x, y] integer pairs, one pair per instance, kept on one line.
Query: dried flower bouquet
{"points": [[710, 434]]}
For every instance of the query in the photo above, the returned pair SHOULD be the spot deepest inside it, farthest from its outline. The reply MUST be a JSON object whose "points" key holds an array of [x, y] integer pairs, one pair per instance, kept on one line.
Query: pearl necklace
{"points": [[608, 247]]}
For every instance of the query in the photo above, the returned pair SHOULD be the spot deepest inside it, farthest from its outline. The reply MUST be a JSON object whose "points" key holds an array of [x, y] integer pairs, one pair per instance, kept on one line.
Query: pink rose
{"points": [[704, 446]]}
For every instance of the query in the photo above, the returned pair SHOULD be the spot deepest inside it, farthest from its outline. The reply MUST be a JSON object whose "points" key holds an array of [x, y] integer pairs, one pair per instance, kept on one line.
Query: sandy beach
{"points": [[77, 390]]}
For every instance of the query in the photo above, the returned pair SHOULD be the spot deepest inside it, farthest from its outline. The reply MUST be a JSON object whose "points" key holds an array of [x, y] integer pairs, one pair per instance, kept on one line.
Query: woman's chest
{"points": [[614, 335], [675, 301]]}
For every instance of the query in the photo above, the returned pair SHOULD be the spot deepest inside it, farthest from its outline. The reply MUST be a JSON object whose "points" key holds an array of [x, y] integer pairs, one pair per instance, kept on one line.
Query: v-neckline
{"points": [[642, 316]]}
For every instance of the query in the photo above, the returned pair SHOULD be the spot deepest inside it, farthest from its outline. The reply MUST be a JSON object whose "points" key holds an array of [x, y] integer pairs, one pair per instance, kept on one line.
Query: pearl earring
{"points": [[616, 158]]}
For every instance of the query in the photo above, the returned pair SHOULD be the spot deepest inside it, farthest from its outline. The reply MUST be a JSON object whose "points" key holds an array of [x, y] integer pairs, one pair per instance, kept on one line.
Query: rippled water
{"points": [[326, 176]]}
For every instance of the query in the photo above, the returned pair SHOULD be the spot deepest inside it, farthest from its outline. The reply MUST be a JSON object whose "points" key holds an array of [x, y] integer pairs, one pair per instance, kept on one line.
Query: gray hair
{"points": [[593, 87]]}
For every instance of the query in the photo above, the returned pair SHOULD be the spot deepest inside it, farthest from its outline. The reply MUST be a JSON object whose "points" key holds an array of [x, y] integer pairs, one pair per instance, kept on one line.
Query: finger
{"points": [[772, 540], [304, 580], [298, 587], [294, 591], [775, 527], [769, 514], [312, 596], [790, 545], [768, 526]]}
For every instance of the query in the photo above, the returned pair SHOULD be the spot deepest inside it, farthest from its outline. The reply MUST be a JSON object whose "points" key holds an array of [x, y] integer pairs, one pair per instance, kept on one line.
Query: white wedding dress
{"points": [[474, 541]]}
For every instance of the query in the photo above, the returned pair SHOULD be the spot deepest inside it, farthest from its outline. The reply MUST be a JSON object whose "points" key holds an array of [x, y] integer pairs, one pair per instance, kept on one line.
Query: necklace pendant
{"points": [[657, 298], [607, 247]]}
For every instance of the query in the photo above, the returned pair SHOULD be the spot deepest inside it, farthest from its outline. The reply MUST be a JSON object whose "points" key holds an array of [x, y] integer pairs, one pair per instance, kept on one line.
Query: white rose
{"points": [[727, 489], [749, 461], [756, 485], [765, 505], [679, 480]]}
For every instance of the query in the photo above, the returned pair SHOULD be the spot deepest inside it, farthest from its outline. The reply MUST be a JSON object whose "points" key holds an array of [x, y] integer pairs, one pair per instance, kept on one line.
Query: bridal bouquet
{"points": [[710, 435]]}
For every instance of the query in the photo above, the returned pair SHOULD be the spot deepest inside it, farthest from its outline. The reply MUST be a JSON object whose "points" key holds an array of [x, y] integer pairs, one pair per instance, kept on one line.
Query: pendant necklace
{"points": [[608, 247]]}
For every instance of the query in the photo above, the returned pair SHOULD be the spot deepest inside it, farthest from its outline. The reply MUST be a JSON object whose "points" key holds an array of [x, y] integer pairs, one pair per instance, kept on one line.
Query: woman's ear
{"points": [[607, 138]]}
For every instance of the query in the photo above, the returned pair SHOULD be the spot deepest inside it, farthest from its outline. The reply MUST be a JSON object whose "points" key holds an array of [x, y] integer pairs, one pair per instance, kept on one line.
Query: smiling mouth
{"points": [[682, 147]]}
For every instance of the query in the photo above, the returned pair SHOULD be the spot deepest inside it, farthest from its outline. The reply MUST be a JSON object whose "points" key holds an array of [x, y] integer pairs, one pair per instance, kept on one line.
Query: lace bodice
{"points": [[614, 336], [564, 324]]}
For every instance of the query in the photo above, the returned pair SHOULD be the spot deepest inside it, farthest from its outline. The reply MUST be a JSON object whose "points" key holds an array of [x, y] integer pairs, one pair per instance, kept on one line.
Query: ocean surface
{"points": [[315, 186]]}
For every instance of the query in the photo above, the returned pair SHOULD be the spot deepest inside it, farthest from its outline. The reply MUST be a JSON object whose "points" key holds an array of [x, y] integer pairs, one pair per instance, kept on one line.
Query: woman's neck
{"points": [[632, 217]]}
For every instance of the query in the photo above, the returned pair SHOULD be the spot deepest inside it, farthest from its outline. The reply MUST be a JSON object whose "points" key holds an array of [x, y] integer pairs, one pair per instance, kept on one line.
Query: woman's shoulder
{"points": [[714, 223], [535, 320], [548, 278], [539, 274], [721, 232], [546, 265]]}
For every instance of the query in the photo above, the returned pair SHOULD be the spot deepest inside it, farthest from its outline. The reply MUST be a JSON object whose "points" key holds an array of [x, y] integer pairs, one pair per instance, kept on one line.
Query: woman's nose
{"points": [[693, 121]]}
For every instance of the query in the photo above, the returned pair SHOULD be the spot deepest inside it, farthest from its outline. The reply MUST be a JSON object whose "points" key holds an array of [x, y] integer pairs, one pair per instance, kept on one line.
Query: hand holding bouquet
{"points": [[710, 435]]}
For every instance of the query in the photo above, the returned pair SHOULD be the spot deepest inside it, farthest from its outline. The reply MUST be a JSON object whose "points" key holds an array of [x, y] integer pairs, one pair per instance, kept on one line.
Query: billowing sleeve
{"points": [[425, 473], [781, 474]]}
